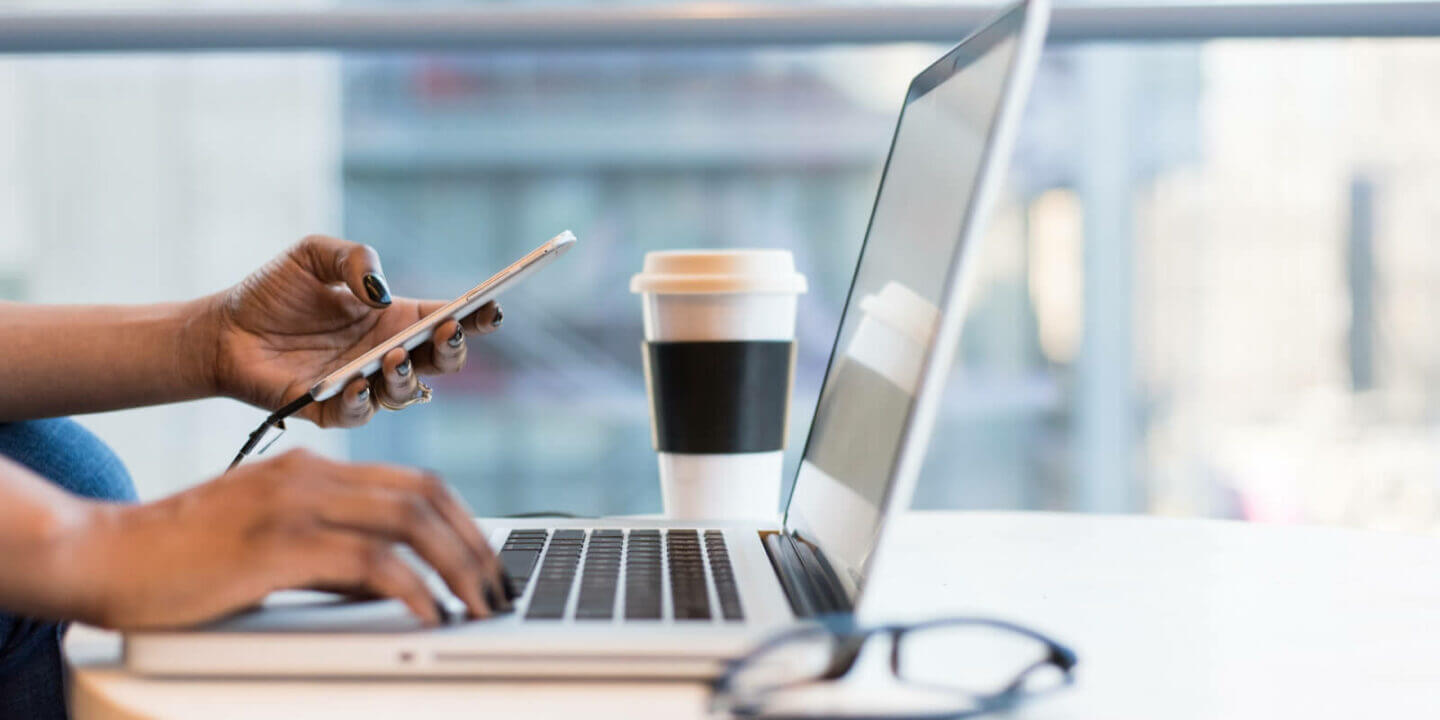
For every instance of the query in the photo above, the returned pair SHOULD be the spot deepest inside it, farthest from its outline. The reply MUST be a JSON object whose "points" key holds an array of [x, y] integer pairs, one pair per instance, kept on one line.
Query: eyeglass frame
{"points": [[850, 641]]}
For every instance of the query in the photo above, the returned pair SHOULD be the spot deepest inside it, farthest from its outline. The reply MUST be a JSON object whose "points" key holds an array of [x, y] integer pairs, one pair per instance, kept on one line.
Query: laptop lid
{"points": [[903, 313]]}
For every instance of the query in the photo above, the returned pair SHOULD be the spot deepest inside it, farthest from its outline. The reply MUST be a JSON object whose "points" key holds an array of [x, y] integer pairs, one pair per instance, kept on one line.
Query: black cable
{"points": [[276, 420]]}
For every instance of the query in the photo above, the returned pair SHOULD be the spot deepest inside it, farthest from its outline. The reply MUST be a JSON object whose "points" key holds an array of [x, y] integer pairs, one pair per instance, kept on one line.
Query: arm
{"points": [[293, 521], [37, 519], [68, 359], [264, 341], [290, 522]]}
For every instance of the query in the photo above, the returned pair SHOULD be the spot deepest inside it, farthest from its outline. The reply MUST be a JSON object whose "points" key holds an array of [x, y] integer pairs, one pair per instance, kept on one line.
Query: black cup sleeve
{"points": [[719, 397]]}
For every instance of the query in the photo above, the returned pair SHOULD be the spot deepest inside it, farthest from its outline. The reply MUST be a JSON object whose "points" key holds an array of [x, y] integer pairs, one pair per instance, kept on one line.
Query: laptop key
{"points": [[518, 564]]}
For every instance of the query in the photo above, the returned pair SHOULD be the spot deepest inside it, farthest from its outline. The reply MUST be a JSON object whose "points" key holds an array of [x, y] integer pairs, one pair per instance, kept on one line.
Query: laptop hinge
{"points": [[809, 582]]}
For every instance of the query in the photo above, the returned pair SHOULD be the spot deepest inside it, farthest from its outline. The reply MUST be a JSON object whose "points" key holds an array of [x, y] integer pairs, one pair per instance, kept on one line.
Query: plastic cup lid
{"points": [[718, 271]]}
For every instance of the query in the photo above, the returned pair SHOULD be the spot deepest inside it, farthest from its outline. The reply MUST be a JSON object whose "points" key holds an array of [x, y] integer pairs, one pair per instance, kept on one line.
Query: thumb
{"points": [[332, 260]]}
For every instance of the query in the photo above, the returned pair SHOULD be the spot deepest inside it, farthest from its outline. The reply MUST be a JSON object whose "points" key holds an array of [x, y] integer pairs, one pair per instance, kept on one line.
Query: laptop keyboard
{"points": [[637, 563]]}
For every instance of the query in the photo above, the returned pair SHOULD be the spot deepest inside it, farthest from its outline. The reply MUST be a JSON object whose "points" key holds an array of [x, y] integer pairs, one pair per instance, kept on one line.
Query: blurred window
{"points": [[1209, 290]]}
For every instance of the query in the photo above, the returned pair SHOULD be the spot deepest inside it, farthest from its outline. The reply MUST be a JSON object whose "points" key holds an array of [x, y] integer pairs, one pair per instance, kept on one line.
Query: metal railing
{"points": [[679, 26]]}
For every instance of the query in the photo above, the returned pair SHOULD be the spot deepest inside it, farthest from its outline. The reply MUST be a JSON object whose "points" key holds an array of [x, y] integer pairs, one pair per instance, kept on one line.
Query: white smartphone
{"points": [[417, 334]]}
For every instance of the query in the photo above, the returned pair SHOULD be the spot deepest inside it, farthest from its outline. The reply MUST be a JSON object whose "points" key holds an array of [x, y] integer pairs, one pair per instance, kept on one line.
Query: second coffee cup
{"points": [[719, 358]]}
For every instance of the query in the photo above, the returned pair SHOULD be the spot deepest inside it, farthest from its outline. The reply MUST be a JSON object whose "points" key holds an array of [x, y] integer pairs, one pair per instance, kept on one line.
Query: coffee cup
{"points": [[719, 357]]}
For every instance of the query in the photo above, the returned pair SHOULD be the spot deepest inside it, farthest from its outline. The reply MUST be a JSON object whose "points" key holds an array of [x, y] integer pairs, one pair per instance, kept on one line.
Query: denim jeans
{"points": [[32, 678]]}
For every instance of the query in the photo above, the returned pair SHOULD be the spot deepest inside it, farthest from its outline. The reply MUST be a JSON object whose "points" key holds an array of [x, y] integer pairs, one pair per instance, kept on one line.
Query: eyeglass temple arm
{"points": [[847, 651]]}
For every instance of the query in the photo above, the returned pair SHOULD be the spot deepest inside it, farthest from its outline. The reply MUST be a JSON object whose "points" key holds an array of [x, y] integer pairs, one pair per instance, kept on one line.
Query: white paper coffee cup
{"points": [[719, 364]]}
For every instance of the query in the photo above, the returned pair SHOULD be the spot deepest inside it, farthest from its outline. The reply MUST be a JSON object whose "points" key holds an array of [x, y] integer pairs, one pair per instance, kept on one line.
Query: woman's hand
{"points": [[317, 306], [295, 521]]}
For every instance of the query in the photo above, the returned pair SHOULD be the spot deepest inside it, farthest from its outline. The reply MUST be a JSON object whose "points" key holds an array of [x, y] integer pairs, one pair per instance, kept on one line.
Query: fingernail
{"points": [[499, 317], [457, 338], [376, 288], [491, 598], [403, 368], [363, 395], [441, 612]]}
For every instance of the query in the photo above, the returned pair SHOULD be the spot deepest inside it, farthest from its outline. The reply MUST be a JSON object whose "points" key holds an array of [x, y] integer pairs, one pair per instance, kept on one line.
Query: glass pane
{"points": [[1208, 290]]}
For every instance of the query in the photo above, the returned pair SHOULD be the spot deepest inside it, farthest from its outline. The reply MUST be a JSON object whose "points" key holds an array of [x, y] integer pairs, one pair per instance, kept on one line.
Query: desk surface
{"points": [[1171, 618]]}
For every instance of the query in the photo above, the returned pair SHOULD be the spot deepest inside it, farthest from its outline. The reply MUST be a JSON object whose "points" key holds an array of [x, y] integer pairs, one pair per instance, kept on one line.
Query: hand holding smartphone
{"points": [[416, 335], [412, 336]]}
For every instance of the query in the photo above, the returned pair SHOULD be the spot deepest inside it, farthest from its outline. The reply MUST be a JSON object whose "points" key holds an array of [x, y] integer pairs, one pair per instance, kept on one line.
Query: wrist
{"points": [[79, 557], [201, 327]]}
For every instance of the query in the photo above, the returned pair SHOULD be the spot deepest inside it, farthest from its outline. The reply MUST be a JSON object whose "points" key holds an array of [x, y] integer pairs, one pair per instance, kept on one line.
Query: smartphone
{"points": [[419, 333]]}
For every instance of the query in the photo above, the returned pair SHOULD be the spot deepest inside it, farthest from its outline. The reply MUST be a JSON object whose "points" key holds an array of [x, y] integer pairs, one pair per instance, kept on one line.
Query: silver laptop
{"points": [[664, 599]]}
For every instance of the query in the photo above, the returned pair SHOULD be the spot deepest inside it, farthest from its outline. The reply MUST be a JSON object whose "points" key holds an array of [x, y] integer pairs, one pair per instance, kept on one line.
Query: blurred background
{"points": [[1210, 289]]}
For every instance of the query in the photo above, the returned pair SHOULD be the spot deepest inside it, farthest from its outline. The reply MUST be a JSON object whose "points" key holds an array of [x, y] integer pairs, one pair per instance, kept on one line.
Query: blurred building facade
{"points": [[1208, 291]]}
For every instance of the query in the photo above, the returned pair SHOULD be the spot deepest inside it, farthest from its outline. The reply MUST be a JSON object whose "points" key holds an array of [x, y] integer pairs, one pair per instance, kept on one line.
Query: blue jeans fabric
{"points": [[32, 678]]}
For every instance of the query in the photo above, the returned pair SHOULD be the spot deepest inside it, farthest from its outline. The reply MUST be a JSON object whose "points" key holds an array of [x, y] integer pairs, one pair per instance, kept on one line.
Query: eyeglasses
{"points": [[970, 666]]}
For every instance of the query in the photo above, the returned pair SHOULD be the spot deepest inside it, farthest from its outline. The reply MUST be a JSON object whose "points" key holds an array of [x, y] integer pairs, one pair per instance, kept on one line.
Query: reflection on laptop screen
{"points": [[892, 311]]}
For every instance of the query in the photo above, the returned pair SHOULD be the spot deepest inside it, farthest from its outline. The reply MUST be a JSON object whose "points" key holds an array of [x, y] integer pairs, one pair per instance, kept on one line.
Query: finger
{"points": [[409, 518], [445, 351], [399, 382], [484, 320], [460, 517], [353, 407], [349, 592], [341, 559], [333, 260], [450, 507], [458, 513], [455, 513]]}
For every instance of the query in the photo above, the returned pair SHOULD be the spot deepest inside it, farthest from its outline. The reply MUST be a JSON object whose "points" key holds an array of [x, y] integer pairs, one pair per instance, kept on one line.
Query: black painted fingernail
{"points": [[491, 598], [403, 368], [499, 317], [457, 338], [377, 289], [509, 586], [363, 395]]}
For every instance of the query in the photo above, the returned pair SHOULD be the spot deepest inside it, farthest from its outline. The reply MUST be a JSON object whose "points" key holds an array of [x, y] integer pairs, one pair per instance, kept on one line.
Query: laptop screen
{"points": [[893, 311]]}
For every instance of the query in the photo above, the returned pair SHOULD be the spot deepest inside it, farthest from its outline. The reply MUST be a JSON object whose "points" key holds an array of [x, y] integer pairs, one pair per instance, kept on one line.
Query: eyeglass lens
{"points": [[798, 659], [974, 659]]}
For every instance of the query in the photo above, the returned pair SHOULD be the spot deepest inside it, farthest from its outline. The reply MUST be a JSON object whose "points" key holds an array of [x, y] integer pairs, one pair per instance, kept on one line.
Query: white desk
{"points": [[1171, 619]]}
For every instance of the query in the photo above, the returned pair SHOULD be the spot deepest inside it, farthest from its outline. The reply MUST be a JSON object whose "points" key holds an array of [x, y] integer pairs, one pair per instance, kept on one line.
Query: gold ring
{"points": [[422, 395]]}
